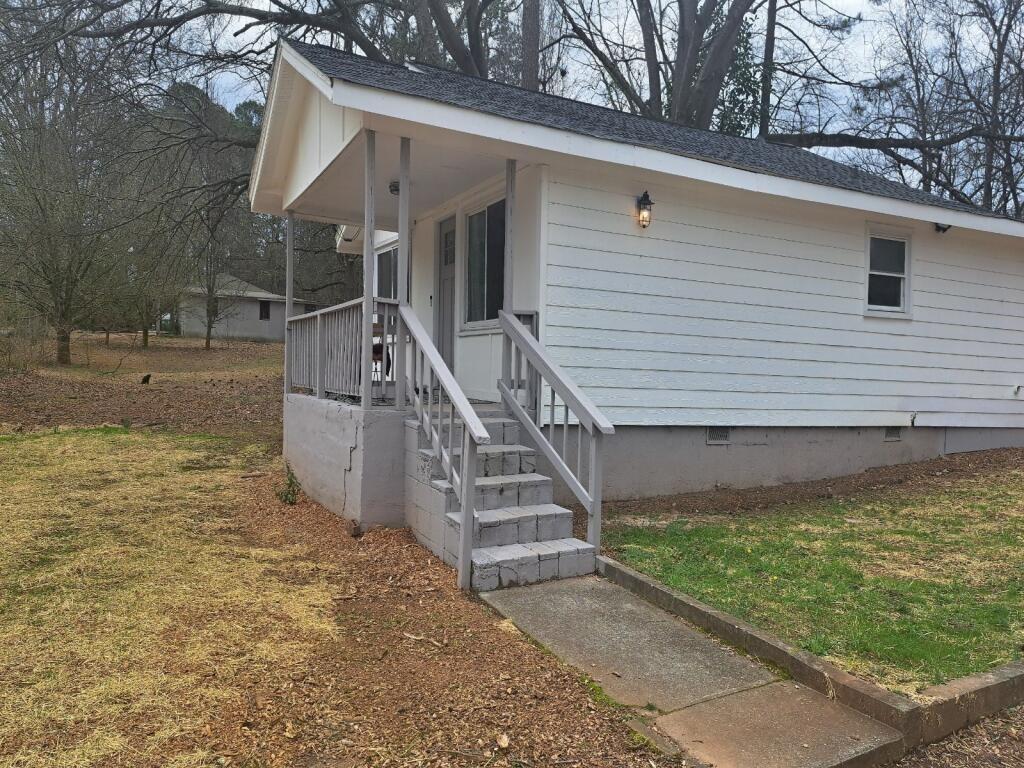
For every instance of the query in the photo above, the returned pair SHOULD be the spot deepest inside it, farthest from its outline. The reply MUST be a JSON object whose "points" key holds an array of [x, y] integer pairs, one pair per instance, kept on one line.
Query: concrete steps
{"points": [[521, 490], [493, 460], [514, 525], [519, 535], [519, 564]]}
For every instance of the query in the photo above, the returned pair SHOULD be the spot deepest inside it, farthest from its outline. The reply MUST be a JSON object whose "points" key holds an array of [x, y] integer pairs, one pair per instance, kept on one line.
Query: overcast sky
{"points": [[231, 90]]}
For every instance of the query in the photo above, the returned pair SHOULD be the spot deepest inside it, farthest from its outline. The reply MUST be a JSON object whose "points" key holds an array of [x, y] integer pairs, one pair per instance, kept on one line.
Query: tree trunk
{"points": [[145, 337], [767, 68], [645, 13], [531, 44], [106, 337], [209, 334], [63, 346]]}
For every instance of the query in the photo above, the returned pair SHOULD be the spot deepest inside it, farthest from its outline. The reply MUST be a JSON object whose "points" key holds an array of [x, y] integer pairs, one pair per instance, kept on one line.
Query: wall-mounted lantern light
{"points": [[643, 210]]}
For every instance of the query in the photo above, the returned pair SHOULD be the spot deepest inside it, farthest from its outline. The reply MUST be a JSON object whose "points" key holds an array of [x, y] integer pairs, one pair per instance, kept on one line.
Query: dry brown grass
{"points": [[131, 609]]}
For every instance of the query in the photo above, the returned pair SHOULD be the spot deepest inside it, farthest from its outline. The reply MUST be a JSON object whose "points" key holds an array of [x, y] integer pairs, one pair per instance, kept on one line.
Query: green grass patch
{"points": [[910, 590]]}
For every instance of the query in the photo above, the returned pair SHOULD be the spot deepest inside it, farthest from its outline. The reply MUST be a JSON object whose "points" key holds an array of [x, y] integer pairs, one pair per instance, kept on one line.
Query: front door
{"points": [[446, 292]]}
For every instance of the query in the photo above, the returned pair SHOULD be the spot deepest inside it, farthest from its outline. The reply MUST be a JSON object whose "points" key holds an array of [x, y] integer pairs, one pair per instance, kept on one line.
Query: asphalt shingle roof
{"points": [[598, 122]]}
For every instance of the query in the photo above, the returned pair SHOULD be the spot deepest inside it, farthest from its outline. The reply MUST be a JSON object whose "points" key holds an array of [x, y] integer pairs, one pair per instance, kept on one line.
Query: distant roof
{"points": [[515, 103], [236, 287]]}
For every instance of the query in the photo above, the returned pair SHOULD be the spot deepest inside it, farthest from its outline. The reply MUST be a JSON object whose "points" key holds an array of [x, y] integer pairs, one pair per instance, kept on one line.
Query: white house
{"points": [[244, 311], [772, 315]]}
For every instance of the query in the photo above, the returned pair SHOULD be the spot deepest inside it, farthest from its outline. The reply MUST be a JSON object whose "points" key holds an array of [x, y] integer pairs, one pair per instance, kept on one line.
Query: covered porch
{"points": [[380, 424]]}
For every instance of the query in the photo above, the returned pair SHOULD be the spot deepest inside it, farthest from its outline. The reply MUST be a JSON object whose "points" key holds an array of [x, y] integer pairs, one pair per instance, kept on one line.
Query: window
{"points": [[387, 274], [888, 262], [486, 263], [893, 434], [264, 310]]}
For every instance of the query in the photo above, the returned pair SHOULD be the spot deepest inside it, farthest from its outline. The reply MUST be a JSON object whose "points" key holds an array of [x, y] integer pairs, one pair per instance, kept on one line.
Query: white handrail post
{"points": [[321, 355], [594, 518], [289, 271], [369, 257], [467, 486], [404, 241], [510, 212]]}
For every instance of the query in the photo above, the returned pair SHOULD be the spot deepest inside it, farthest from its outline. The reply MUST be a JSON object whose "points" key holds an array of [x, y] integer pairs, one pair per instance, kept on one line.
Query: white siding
{"points": [[743, 309], [478, 351]]}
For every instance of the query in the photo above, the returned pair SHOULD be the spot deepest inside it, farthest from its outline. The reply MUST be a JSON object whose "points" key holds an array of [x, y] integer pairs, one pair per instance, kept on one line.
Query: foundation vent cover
{"points": [[718, 436], [893, 434]]}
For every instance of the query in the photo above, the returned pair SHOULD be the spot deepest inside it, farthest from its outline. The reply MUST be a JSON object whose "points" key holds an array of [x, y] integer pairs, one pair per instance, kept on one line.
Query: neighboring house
{"points": [[743, 312], [244, 311]]}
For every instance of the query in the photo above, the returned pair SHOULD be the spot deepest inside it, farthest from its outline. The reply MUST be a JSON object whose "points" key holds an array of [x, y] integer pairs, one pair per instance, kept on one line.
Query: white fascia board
{"points": [[544, 140], [269, 113], [301, 65], [287, 66]]}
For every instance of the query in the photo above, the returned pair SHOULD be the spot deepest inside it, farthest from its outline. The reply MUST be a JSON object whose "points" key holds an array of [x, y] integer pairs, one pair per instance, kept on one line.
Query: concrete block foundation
{"points": [[643, 461], [347, 458]]}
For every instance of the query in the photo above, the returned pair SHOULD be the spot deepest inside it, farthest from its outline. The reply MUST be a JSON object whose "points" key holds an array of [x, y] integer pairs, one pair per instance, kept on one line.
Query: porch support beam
{"points": [[289, 293], [404, 252], [510, 208], [369, 257]]}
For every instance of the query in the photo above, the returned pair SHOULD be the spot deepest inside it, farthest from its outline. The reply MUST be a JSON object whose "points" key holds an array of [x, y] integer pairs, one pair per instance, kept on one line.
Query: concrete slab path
{"points": [[721, 707]]}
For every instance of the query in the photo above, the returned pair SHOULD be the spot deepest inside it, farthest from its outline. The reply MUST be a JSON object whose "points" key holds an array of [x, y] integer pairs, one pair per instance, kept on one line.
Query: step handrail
{"points": [[428, 375], [526, 368], [445, 377]]}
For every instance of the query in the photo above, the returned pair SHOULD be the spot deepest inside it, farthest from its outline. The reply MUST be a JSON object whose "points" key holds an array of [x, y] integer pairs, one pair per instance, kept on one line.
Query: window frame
{"points": [[479, 206], [885, 232], [264, 304]]}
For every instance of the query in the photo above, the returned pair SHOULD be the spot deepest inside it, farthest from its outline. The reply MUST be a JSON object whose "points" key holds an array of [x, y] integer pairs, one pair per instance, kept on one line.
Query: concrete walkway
{"points": [[719, 706]]}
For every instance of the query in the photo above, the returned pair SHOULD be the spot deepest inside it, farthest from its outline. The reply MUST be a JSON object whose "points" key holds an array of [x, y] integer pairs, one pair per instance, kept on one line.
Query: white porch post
{"points": [[506, 299], [289, 291], [369, 257], [404, 250], [510, 208]]}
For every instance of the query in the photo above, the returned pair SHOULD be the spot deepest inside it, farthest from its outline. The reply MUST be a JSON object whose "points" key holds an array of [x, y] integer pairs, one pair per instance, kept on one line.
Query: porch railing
{"points": [[325, 359], [440, 404], [532, 387], [325, 350]]}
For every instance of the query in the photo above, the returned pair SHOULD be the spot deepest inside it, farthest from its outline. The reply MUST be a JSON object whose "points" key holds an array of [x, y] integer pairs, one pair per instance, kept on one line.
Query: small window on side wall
{"points": [[888, 274], [264, 310]]}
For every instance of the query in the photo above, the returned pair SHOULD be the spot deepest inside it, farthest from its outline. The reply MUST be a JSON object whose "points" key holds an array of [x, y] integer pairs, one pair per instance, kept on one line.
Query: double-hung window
{"points": [[264, 310], [485, 263], [888, 274]]}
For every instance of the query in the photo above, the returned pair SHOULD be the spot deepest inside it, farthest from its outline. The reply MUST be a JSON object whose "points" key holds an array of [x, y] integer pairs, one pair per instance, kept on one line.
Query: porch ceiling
{"points": [[437, 175]]}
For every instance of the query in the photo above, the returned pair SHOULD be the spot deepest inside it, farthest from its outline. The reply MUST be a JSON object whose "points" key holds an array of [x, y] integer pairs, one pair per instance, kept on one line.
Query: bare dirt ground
{"points": [[233, 389], [417, 675]]}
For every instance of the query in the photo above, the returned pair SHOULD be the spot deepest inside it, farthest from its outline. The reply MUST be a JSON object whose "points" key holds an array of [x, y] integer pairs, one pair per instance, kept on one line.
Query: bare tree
{"points": [[63, 198]]}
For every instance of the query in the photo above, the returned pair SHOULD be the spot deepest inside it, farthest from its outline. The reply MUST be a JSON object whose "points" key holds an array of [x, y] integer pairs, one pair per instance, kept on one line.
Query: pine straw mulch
{"points": [[997, 742], [418, 674]]}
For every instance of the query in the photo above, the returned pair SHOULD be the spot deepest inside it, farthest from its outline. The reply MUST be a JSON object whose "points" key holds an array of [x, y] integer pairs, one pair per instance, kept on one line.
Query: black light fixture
{"points": [[394, 187], [643, 209], [942, 228]]}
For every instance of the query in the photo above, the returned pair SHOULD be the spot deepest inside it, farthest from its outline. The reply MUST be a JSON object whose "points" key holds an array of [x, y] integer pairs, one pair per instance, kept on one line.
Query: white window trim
{"points": [[475, 327], [890, 233]]}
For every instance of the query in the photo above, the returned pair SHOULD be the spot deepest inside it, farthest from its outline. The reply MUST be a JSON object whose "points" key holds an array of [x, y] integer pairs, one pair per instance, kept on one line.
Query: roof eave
{"points": [[555, 141]]}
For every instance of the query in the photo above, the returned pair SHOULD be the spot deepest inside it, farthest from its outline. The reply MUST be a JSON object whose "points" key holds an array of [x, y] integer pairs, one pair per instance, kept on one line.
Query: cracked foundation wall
{"points": [[349, 459]]}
